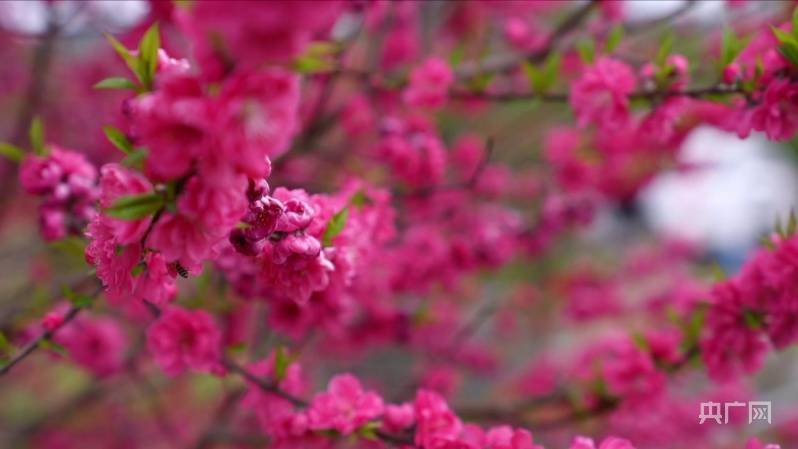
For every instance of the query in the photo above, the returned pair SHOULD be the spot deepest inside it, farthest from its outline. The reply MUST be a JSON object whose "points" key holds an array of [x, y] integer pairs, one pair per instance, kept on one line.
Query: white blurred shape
{"points": [[24, 16], [731, 198], [30, 16], [643, 10], [120, 14]]}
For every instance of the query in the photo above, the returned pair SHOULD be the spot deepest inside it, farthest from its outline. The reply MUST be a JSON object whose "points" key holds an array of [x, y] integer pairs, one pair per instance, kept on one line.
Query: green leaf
{"points": [[136, 158], [311, 64], [148, 54], [137, 270], [6, 348], [335, 226], [237, 348], [11, 152], [36, 135], [541, 80], [118, 138], [731, 46], [457, 54], [360, 199], [77, 299], [532, 74], [665, 49], [73, 246], [551, 71], [134, 207], [281, 363], [640, 341], [53, 346], [116, 82], [615, 37], [481, 81], [782, 36], [131, 61], [790, 52], [369, 430], [694, 325], [753, 319], [322, 48], [587, 50], [795, 23]]}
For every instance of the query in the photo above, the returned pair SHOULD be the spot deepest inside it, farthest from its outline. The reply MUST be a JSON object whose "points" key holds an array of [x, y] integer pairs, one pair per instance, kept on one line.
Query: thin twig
{"points": [[699, 92], [263, 384], [47, 334], [469, 183], [504, 63]]}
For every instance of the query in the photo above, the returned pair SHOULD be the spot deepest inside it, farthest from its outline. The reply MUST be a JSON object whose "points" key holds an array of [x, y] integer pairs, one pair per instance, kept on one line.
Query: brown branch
{"points": [[504, 63], [699, 92], [46, 335], [263, 384]]}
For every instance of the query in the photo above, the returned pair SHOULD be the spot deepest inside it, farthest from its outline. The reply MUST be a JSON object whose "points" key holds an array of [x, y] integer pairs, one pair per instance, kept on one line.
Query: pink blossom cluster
{"points": [[201, 149], [280, 255], [185, 339], [66, 182], [429, 84], [753, 311], [412, 150], [96, 343]]}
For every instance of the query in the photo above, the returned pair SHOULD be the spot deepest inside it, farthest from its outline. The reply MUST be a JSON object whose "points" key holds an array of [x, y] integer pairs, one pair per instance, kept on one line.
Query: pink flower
{"points": [[357, 116], [41, 174], [601, 95], [754, 443], [630, 373], [257, 117], [398, 417], [731, 345], [296, 274], [114, 262], [344, 407], [66, 180], [116, 182], [173, 122], [778, 292], [247, 34], [435, 422], [522, 35], [505, 437], [574, 165], [207, 210], [181, 339], [181, 239], [297, 211], [777, 113], [679, 66], [52, 223], [96, 343], [429, 84], [608, 443], [415, 155], [401, 21], [215, 204], [156, 282]]}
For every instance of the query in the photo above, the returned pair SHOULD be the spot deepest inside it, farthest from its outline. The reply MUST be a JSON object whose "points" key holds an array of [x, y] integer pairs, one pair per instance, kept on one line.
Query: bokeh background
{"points": [[723, 197]]}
